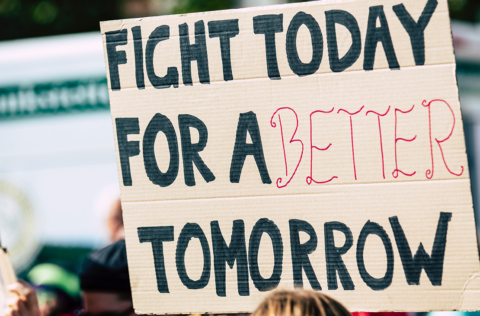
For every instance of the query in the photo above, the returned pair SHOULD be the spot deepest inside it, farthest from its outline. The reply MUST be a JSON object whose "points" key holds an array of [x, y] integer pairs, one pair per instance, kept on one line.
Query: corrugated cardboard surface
{"points": [[299, 117]]}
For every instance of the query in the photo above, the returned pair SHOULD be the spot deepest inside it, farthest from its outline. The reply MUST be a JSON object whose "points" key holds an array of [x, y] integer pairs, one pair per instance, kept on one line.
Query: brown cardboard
{"points": [[331, 156]]}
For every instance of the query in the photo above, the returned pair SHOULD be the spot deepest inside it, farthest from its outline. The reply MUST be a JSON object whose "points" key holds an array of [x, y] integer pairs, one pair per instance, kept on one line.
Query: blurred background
{"points": [[58, 175]]}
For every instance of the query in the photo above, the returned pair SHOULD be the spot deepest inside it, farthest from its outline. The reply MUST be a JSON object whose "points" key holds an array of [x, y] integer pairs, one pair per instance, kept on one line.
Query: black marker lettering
{"points": [[137, 45], [222, 254], [413, 265], [127, 149], [374, 283], [190, 52], [189, 231], [190, 151], [160, 123], [297, 66], [157, 236], [224, 30], [300, 253], [333, 256], [248, 123], [269, 25], [378, 34], [115, 58], [416, 30], [264, 225], [161, 33], [346, 19]]}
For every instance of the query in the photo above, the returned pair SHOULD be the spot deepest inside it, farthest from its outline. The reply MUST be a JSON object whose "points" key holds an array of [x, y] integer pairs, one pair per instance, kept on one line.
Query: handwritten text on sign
{"points": [[248, 123], [309, 145]]}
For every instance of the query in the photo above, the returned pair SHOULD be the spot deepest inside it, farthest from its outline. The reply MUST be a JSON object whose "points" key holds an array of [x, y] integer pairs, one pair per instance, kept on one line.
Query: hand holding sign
{"points": [[24, 302]]}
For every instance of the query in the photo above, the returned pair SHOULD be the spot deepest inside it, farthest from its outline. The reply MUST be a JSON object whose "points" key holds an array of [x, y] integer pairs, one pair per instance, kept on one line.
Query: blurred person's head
{"points": [[115, 221], [300, 303], [105, 282], [58, 290], [143, 8]]}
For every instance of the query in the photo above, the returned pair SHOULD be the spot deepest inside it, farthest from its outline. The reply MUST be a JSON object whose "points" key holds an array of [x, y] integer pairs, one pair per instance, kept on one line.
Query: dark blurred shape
{"points": [[45, 12], [457, 5], [466, 10], [10, 8], [142, 8], [136, 8], [106, 270], [31, 18]]}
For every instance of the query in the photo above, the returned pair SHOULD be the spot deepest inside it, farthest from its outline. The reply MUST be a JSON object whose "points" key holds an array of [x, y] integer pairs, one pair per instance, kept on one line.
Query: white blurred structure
{"points": [[466, 39], [56, 140]]}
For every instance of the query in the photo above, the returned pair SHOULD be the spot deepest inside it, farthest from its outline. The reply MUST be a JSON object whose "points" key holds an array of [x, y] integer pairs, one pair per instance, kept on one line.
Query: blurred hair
{"points": [[106, 270], [300, 303]]}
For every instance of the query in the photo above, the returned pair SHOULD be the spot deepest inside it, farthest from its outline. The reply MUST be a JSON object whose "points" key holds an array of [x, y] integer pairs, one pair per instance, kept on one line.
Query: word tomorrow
{"points": [[247, 262]]}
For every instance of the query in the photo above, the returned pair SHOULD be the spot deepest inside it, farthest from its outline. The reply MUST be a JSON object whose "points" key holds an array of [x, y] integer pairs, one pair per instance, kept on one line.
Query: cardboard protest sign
{"points": [[316, 145], [7, 277]]}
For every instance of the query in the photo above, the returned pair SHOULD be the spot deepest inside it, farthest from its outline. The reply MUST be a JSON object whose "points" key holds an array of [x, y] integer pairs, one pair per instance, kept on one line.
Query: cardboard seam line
{"points": [[149, 86], [288, 195]]}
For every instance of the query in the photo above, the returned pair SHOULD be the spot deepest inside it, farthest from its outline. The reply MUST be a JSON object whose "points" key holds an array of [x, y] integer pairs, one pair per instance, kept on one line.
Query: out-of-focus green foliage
{"points": [[30, 18], [187, 6], [467, 10]]}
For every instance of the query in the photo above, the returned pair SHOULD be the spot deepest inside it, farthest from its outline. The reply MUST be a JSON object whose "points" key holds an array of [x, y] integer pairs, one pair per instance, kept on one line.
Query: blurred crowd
{"points": [[102, 288], [58, 290]]}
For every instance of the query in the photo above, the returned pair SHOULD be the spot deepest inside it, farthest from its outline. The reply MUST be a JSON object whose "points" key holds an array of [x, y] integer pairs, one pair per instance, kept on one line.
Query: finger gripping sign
{"points": [[317, 145]]}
